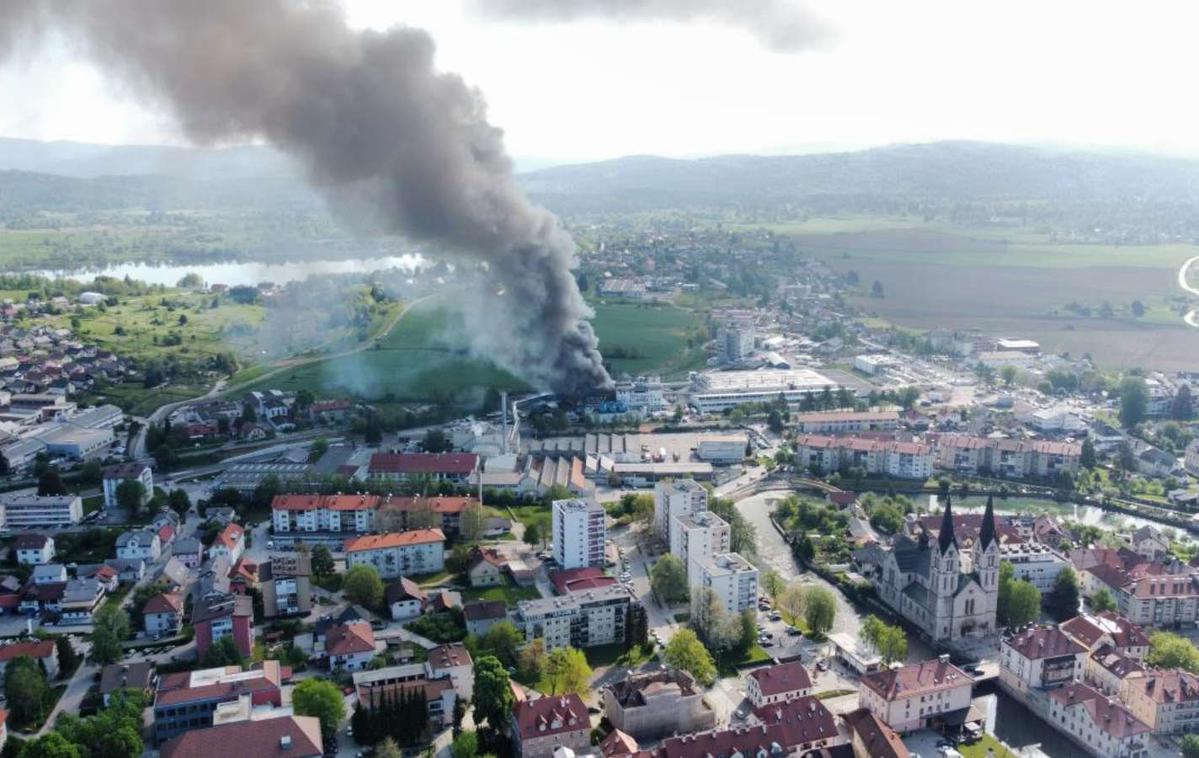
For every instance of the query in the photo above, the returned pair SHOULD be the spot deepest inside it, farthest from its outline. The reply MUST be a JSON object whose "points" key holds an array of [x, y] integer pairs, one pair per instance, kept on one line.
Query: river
{"points": [[239, 273], [1019, 728], [1084, 514]]}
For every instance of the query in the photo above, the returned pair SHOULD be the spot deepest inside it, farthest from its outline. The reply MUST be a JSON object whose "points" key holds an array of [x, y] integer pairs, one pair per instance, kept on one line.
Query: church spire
{"points": [[986, 533], [946, 537]]}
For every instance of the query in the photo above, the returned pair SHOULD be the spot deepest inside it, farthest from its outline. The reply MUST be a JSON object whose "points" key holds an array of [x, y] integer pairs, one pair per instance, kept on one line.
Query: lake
{"points": [[240, 273]]}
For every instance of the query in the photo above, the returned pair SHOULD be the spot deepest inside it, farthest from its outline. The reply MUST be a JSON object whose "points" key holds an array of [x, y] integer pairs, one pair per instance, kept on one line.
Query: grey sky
{"points": [[1067, 72]]}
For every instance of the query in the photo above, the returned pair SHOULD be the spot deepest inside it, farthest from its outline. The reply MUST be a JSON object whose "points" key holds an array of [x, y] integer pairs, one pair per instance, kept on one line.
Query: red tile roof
{"points": [[1044, 642], [917, 678], [394, 539], [32, 648], [485, 609], [348, 639], [1107, 715], [29, 541], [434, 504], [449, 656], [423, 463], [1171, 686], [230, 535], [166, 602], [784, 677], [879, 739], [551, 715], [576, 580], [264, 738], [177, 688]]}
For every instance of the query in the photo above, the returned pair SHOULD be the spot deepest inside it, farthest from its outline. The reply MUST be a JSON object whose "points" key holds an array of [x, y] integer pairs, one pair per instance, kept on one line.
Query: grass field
{"points": [[510, 593], [1007, 282], [654, 337]]}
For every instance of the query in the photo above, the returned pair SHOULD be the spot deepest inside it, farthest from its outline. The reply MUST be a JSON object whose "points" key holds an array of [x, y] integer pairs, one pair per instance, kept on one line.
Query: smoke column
{"points": [[780, 25], [394, 145]]}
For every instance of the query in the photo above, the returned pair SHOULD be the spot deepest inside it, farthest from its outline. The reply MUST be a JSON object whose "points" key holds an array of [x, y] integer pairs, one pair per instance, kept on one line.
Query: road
{"points": [[77, 689]]}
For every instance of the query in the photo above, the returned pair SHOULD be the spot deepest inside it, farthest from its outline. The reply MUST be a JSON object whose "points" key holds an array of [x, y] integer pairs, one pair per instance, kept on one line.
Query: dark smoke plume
{"points": [[781, 25], [394, 145]]}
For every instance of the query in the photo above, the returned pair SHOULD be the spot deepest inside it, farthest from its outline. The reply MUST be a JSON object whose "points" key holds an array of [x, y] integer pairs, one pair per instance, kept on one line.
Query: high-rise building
{"points": [[681, 497], [579, 533], [732, 578], [699, 537]]}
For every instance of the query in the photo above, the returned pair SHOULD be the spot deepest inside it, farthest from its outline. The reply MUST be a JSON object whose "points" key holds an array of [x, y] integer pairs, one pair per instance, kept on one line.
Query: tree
{"points": [[668, 578], [1007, 375], [502, 640], [793, 602], [566, 672], [110, 629], [388, 747], [68, 659], [436, 441], [114, 732], [1190, 746], [320, 698], [493, 697], [131, 495], [1063, 599], [711, 621], [773, 584], [223, 652], [1087, 457], [472, 522], [1171, 651], [531, 663], [1022, 603], [50, 745], [1183, 407], [748, 633], [686, 653], [50, 483], [876, 289], [179, 502], [532, 535], [322, 561], [25, 689], [1134, 401], [363, 586], [1102, 601], [821, 610], [465, 745]]}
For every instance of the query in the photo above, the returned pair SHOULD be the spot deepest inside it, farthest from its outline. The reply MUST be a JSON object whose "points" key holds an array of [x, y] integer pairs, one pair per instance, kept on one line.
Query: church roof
{"points": [[986, 535]]}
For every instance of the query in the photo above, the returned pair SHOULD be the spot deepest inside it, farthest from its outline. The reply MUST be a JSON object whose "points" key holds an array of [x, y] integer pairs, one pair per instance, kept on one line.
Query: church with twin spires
{"points": [[948, 591]]}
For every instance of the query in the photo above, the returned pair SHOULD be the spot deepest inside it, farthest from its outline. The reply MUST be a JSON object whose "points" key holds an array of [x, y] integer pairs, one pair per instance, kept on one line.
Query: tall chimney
{"points": [[504, 416]]}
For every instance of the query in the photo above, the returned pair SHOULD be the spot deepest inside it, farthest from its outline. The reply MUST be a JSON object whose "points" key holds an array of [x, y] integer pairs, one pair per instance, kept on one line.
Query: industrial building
{"points": [[718, 391]]}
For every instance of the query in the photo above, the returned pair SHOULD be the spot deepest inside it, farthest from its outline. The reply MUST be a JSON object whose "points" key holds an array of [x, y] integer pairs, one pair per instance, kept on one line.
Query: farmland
{"points": [[641, 338], [1071, 298]]}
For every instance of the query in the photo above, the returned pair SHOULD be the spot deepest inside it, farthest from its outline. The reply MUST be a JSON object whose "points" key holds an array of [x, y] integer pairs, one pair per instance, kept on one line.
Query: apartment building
{"points": [[1168, 701], [1108, 629], [286, 585], [324, 513], [441, 467], [1009, 458], [1034, 562], [698, 537], [732, 578], [579, 533], [846, 422], [917, 695], [580, 619], [216, 616], [1040, 658], [878, 457], [187, 700], [395, 554], [678, 497], [1098, 723], [230, 543], [389, 683], [777, 684], [34, 511], [277, 734], [115, 475]]}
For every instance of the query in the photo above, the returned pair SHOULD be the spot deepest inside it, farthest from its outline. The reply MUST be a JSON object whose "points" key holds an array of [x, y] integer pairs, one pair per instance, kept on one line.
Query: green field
{"points": [[652, 339]]}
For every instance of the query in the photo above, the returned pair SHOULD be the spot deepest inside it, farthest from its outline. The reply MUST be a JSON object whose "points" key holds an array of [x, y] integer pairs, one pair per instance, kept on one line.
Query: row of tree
{"points": [[402, 716]]}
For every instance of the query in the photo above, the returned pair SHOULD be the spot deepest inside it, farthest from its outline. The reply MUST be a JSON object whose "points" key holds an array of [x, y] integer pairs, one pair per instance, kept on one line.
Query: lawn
{"points": [[533, 514], [509, 593], [727, 667], [92, 504], [644, 338], [979, 749]]}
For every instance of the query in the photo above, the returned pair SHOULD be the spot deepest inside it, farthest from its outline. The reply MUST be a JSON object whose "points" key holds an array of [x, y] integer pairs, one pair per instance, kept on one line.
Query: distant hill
{"points": [[961, 171], [85, 160]]}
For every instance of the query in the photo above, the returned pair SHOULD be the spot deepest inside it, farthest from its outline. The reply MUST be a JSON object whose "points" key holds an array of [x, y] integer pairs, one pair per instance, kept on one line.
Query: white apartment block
{"points": [[732, 578], [396, 554], [31, 511], [846, 422], [680, 497], [902, 460], [1098, 723], [698, 538], [579, 619], [579, 533], [1040, 658], [1034, 562], [324, 513]]}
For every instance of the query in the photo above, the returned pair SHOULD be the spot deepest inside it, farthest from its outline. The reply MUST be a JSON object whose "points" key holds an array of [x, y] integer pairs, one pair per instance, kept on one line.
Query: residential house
{"points": [[917, 695], [871, 737], [350, 646], [189, 551], [654, 704], [481, 615], [777, 683], [1150, 543], [453, 661], [163, 614], [1105, 669], [135, 675], [1040, 658], [406, 599], [1098, 723], [39, 650], [1168, 701], [218, 616], [140, 544], [542, 726], [286, 585], [485, 568], [115, 475], [80, 599], [230, 543], [33, 549], [49, 573], [377, 686], [1108, 629]]}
